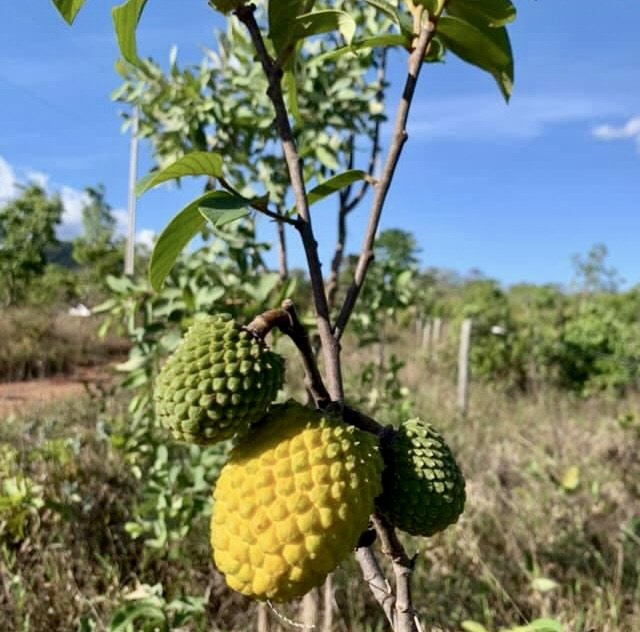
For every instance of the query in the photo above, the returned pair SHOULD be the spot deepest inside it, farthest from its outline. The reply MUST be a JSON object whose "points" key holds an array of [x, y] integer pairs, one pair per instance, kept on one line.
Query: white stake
{"points": [[463, 367], [130, 252]]}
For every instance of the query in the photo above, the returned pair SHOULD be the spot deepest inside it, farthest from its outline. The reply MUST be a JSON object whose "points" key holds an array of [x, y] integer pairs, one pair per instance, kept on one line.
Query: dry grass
{"points": [[37, 344], [525, 522]]}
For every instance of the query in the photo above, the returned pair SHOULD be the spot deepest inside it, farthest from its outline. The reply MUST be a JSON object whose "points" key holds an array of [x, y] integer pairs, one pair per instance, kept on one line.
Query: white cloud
{"points": [[486, 117], [73, 201], [146, 237], [629, 131], [8, 182], [122, 220], [39, 178]]}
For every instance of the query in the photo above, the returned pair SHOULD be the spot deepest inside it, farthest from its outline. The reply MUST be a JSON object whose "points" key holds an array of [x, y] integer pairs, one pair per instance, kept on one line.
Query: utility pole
{"points": [[130, 252]]}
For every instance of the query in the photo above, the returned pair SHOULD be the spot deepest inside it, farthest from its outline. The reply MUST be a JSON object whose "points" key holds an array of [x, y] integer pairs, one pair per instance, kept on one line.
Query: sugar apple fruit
{"points": [[291, 502], [424, 490], [219, 380]]}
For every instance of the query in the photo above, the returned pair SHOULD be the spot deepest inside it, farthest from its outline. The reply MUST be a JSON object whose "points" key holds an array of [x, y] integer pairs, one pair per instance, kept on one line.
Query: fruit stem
{"points": [[287, 321]]}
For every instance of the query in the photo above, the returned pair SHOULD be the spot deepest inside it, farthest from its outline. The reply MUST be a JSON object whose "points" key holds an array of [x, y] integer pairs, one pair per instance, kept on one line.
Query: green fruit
{"points": [[218, 381], [424, 490], [292, 501]]}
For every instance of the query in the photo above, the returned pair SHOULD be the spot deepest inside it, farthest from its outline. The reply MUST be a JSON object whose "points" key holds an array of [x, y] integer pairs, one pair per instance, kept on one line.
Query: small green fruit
{"points": [[218, 381], [424, 490]]}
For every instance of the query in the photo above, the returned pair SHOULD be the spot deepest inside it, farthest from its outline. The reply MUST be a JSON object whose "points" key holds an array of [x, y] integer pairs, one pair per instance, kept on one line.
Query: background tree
{"points": [[27, 229], [96, 250]]}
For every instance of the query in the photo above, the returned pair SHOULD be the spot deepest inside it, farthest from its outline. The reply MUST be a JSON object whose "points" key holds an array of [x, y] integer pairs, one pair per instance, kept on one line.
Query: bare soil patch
{"points": [[20, 396]]}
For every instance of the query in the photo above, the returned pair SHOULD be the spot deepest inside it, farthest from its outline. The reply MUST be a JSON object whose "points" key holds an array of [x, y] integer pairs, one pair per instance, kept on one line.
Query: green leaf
{"points": [[402, 20], [327, 158], [571, 479], [333, 184], [320, 22], [540, 625], [472, 626], [544, 584], [197, 163], [487, 48], [177, 234], [282, 15], [434, 7], [224, 208], [68, 9], [379, 41], [483, 12], [436, 51], [125, 21]]}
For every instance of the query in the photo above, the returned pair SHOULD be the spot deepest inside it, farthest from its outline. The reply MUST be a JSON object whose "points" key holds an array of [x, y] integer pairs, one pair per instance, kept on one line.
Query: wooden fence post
{"points": [[463, 367], [426, 337]]}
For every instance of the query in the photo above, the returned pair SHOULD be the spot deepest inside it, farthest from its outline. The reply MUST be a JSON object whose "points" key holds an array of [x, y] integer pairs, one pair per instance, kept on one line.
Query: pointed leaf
{"points": [[540, 625], [402, 20], [485, 47], [282, 14], [320, 22], [68, 9], [334, 184], [197, 163], [177, 234], [125, 21], [379, 41], [483, 12], [433, 7], [224, 208], [473, 626]]}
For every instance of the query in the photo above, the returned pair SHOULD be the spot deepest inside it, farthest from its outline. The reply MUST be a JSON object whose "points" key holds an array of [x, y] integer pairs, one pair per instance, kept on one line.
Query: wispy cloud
{"points": [[73, 201], [485, 117], [146, 237], [629, 131], [8, 181]]}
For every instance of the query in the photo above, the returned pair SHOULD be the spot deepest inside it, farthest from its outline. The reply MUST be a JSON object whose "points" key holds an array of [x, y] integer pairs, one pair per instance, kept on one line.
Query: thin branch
{"points": [[287, 321], [363, 422], [283, 267], [405, 618], [400, 136], [273, 72], [261, 208], [374, 577]]}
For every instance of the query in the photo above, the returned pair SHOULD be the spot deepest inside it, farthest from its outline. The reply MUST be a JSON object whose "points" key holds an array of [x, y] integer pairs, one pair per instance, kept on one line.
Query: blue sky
{"points": [[512, 190]]}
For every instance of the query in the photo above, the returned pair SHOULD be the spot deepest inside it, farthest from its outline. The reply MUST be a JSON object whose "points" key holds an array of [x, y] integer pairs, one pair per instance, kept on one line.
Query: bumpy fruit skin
{"points": [[217, 382], [424, 490], [292, 501]]}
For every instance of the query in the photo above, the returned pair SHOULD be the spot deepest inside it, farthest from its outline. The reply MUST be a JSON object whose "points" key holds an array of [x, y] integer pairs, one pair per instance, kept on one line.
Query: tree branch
{"points": [[273, 72], [374, 577], [287, 321], [280, 218], [405, 619], [400, 136]]}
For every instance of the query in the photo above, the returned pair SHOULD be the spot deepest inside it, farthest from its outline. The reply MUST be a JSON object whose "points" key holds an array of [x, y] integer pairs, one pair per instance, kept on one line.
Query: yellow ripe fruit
{"points": [[292, 501]]}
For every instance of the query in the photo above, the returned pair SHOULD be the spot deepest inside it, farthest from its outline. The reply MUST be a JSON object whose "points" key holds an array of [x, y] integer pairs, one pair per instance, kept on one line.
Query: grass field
{"points": [[551, 527]]}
